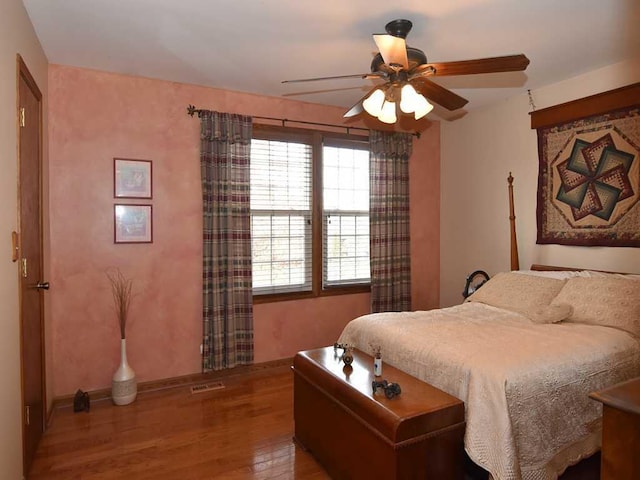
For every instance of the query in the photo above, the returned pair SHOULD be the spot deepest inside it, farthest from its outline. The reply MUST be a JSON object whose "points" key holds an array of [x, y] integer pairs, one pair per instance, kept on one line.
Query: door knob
{"points": [[43, 285]]}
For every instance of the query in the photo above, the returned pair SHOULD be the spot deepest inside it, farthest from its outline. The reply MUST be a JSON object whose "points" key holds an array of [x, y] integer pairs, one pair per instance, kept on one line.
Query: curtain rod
{"points": [[192, 110]]}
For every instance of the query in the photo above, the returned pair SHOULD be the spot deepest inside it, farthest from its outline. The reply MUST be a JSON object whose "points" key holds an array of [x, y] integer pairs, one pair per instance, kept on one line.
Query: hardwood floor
{"points": [[243, 431]]}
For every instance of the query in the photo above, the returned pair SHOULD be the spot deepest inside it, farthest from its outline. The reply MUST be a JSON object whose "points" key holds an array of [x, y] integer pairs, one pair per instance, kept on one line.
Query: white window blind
{"points": [[281, 216], [345, 215]]}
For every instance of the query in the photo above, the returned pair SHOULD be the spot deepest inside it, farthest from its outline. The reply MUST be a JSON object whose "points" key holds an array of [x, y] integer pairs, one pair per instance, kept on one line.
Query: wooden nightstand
{"points": [[620, 431]]}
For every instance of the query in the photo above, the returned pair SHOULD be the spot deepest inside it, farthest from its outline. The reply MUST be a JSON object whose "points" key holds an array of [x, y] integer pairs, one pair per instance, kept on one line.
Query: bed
{"points": [[523, 353]]}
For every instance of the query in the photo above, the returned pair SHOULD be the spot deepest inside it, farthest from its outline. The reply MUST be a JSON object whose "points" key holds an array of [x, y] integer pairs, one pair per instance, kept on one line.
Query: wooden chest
{"points": [[355, 434]]}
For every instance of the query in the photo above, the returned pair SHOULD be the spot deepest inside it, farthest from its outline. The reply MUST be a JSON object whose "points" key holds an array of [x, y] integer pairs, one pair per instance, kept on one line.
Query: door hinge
{"points": [[22, 117], [15, 246], [27, 416], [24, 267]]}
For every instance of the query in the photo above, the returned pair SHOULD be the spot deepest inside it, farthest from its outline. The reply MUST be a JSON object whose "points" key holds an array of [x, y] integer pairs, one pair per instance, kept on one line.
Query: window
{"points": [[280, 216], [309, 212], [345, 215]]}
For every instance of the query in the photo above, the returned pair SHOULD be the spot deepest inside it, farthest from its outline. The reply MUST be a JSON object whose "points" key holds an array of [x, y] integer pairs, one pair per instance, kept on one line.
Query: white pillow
{"points": [[565, 274], [525, 294], [550, 313], [557, 274], [625, 276], [608, 301]]}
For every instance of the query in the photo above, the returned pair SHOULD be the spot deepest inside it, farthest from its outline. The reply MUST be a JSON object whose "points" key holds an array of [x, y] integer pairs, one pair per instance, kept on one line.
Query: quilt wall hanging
{"points": [[589, 173]]}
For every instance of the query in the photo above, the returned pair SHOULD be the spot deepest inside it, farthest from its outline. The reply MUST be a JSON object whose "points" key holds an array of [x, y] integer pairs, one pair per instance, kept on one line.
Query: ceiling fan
{"points": [[406, 71]]}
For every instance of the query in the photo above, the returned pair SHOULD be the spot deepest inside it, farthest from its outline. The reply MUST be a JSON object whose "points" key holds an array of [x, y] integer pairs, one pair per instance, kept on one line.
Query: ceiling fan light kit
{"points": [[408, 98], [382, 100], [413, 102], [373, 103], [405, 70], [388, 113]]}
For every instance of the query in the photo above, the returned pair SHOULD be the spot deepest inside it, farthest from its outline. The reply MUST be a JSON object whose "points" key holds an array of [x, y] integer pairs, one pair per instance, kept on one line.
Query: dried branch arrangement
{"points": [[121, 290]]}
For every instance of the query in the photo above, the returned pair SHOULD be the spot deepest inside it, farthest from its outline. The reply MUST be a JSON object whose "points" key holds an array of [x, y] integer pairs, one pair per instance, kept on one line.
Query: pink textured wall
{"points": [[424, 191], [95, 116]]}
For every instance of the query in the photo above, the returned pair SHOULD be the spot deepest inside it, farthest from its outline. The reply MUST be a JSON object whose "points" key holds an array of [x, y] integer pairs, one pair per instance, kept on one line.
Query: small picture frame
{"points": [[132, 178], [133, 223]]}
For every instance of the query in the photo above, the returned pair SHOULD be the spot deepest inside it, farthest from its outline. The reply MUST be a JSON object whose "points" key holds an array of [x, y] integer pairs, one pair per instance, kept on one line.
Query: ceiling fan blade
{"points": [[393, 50], [357, 75], [355, 110], [358, 108], [509, 63], [438, 94]]}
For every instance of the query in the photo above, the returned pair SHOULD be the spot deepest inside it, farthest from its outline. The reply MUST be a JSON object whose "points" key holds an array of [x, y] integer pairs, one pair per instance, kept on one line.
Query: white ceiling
{"points": [[252, 45]]}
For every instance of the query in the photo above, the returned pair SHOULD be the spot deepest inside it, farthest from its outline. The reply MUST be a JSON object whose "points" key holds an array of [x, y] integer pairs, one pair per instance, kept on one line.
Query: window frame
{"points": [[315, 138]]}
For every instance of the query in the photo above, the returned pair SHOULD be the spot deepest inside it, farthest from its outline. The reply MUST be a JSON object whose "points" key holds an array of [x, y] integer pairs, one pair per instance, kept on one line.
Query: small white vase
{"points": [[124, 387]]}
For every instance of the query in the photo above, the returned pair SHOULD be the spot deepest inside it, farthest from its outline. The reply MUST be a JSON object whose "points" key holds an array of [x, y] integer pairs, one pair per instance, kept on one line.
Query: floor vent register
{"points": [[206, 387]]}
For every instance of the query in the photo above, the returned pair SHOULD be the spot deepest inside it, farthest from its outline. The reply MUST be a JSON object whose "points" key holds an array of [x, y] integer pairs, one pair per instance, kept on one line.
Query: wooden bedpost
{"points": [[515, 263]]}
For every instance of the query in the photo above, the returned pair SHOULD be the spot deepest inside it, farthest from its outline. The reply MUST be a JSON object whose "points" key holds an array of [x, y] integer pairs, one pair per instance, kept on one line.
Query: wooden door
{"points": [[30, 258]]}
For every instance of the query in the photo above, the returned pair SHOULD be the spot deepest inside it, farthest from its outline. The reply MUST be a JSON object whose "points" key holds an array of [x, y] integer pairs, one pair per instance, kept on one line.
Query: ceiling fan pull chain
{"points": [[533, 105]]}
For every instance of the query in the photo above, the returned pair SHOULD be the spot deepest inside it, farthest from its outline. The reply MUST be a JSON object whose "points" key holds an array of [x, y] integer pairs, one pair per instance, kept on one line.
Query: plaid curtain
{"points": [[227, 309], [389, 221]]}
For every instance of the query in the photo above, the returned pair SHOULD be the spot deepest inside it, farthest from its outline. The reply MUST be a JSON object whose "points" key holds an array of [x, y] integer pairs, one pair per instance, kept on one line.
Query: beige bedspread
{"points": [[525, 385]]}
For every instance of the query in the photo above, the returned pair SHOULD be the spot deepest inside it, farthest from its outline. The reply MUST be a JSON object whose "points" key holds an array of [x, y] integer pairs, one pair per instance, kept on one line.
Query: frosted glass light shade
{"points": [[408, 100], [388, 114], [422, 107], [373, 103]]}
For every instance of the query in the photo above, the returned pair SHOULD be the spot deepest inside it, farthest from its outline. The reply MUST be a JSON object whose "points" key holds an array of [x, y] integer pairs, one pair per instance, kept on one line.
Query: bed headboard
{"points": [[548, 268]]}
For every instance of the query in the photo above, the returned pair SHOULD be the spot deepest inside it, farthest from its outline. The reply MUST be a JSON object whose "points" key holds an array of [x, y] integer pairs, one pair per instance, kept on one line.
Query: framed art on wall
{"points": [[133, 223], [132, 178]]}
